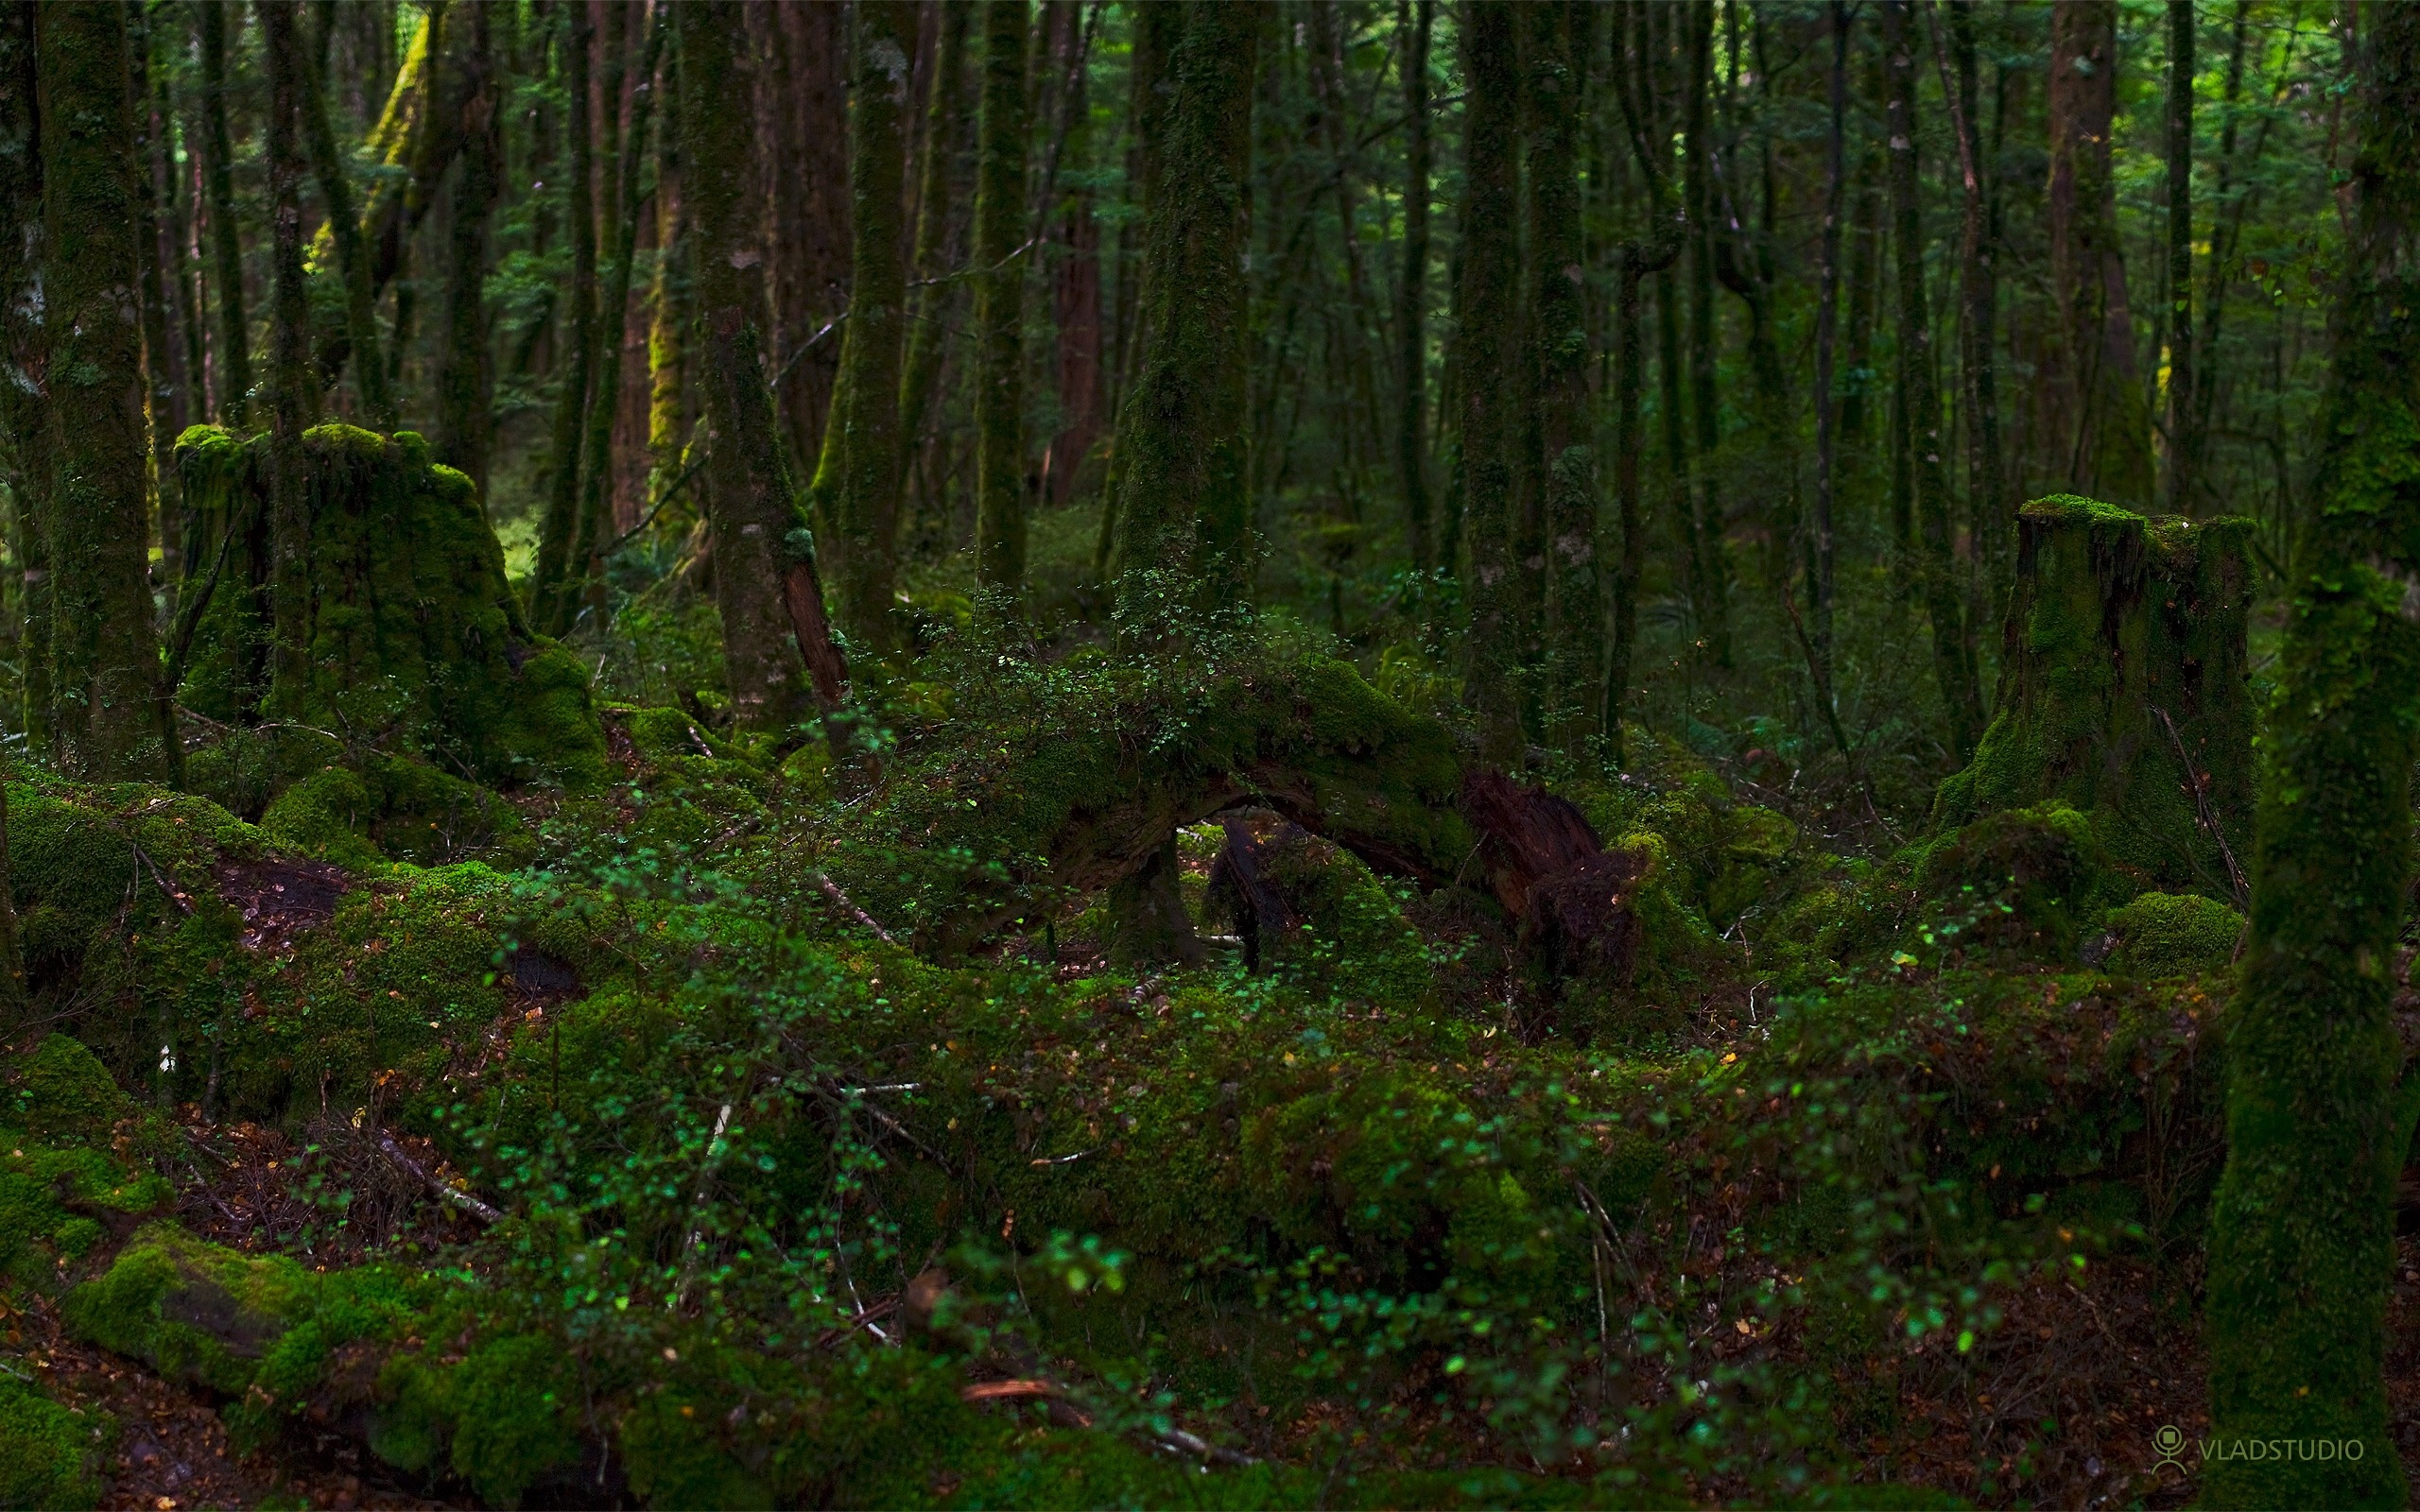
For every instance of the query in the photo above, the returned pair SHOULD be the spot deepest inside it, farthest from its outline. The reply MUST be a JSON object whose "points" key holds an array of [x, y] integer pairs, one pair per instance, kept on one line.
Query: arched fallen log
{"points": [[1011, 824]]}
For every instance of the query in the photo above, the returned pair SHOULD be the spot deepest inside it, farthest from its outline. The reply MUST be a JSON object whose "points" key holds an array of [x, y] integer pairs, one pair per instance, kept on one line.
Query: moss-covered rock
{"points": [[2025, 880], [389, 807], [2124, 693], [415, 640], [50, 1454], [2163, 934]]}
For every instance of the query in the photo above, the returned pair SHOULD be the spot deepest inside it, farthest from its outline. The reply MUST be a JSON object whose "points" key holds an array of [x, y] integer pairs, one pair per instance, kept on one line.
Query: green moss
{"points": [[392, 808], [414, 633], [2127, 648], [2027, 881], [2167, 935], [50, 1454], [194, 1311], [66, 1096]]}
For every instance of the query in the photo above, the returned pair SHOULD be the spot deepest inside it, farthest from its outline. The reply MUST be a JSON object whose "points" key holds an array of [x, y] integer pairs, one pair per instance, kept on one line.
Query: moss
{"points": [[65, 1095], [2027, 881], [50, 1454], [2126, 644], [2170, 934], [416, 638], [194, 1311], [394, 809]]}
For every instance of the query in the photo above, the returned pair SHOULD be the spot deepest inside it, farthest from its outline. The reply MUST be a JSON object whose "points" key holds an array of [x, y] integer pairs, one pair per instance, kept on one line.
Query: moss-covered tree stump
{"points": [[414, 641], [2123, 691]]}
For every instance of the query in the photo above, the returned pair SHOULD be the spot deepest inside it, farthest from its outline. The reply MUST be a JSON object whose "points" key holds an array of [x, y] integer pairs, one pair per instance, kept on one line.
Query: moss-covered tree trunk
{"points": [[343, 224], [553, 593], [1413, 24], [161, 363], [948, 127], [233, 354], [105, 666], [860, 473], [21, 408], [1952, 649], [1183, 474], [669, 302], [1709, 546], [2303, 1229], [751, 507], [466, 377], [2123, 691], [999, 302]]}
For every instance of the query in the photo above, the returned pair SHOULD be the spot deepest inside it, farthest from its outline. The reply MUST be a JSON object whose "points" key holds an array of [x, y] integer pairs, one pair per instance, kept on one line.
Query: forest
{"points": [[1228, 753]]}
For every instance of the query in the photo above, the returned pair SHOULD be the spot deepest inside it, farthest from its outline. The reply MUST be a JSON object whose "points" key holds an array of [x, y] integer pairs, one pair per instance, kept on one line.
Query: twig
{"points": [[697, 1204], [847, 906], [2196, 784], [454, 1195], [653, 509]]}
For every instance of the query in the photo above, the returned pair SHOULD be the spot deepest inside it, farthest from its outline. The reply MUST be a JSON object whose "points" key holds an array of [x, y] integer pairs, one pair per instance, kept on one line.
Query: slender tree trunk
{"points": [[1709, 550], [1489, 272], [1076, 280], [1157, 30], [2228, 203], [1559, 351], [159, 357], [605, 394], [1953, 663], [1989, 520], [1861, 381], [294, 390], [107, 700], [946, 135], [758, 547], [465, 420], [2183, 414], [2303, 1226], [1411, 288], [670, 298], [807, 184], [554, 591], [21, 407], [1185, 501], [865, 487], [1000, 304], [1828, 338], [2108, 426], [352, 259], [219, 170]]}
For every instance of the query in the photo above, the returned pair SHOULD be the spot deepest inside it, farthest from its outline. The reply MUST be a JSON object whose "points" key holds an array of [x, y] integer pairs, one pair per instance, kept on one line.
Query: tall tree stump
{"points": [[414, 640], [2123, 691]]}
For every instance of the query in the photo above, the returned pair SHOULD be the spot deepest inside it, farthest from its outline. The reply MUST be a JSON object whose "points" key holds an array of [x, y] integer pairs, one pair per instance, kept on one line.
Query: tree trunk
{"points": [[21, 407], [465, 420], [554, 593], [1988, 517], [1953, 657], [1157, 31], [234, 355], [1828, 338], [1412, 287], [1184, 476], [162, 394], [947, 132], [807, 183], [2228, 202], [751, 506], [1709, 551], [106, 697], [2184, 415], [1559, 351], [863, 481], [670, 296], [294, 391], [2303, 1226], [352, 259], [2107, 424], [1490, 269], [1000, 304], [1076, 283]]}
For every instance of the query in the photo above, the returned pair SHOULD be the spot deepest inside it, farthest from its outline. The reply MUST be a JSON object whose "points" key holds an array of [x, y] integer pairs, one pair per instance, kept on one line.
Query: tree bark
{"points": [[2303, 1226], [1558, 335], [294, 390], [2107, 425], [1184, 476], [2184, 415], [1827, 312], [1157, 30], [947, 134], [162, 394], [1414, 22], [465, 418], [352, 259], [1953, 658], [234, 374], [863, 458], [1709, 551], [750, 505], [1490, 273], [22, 408], [807, 185], [106, 695], [554, 595], [1000, 304], [1074, 278]]}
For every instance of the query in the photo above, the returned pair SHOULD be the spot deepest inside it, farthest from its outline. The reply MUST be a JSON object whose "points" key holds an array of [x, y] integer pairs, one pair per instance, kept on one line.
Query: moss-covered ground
{"points": [[591, 1145]]}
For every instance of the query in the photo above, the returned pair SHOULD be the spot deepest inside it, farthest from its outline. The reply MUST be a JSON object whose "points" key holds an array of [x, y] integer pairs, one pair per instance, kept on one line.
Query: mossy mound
{"points": [[2124, 693], [2023, 883], [50, 1455], [394, 809], [415, 640], [2172, 935], [61, 1185]]}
